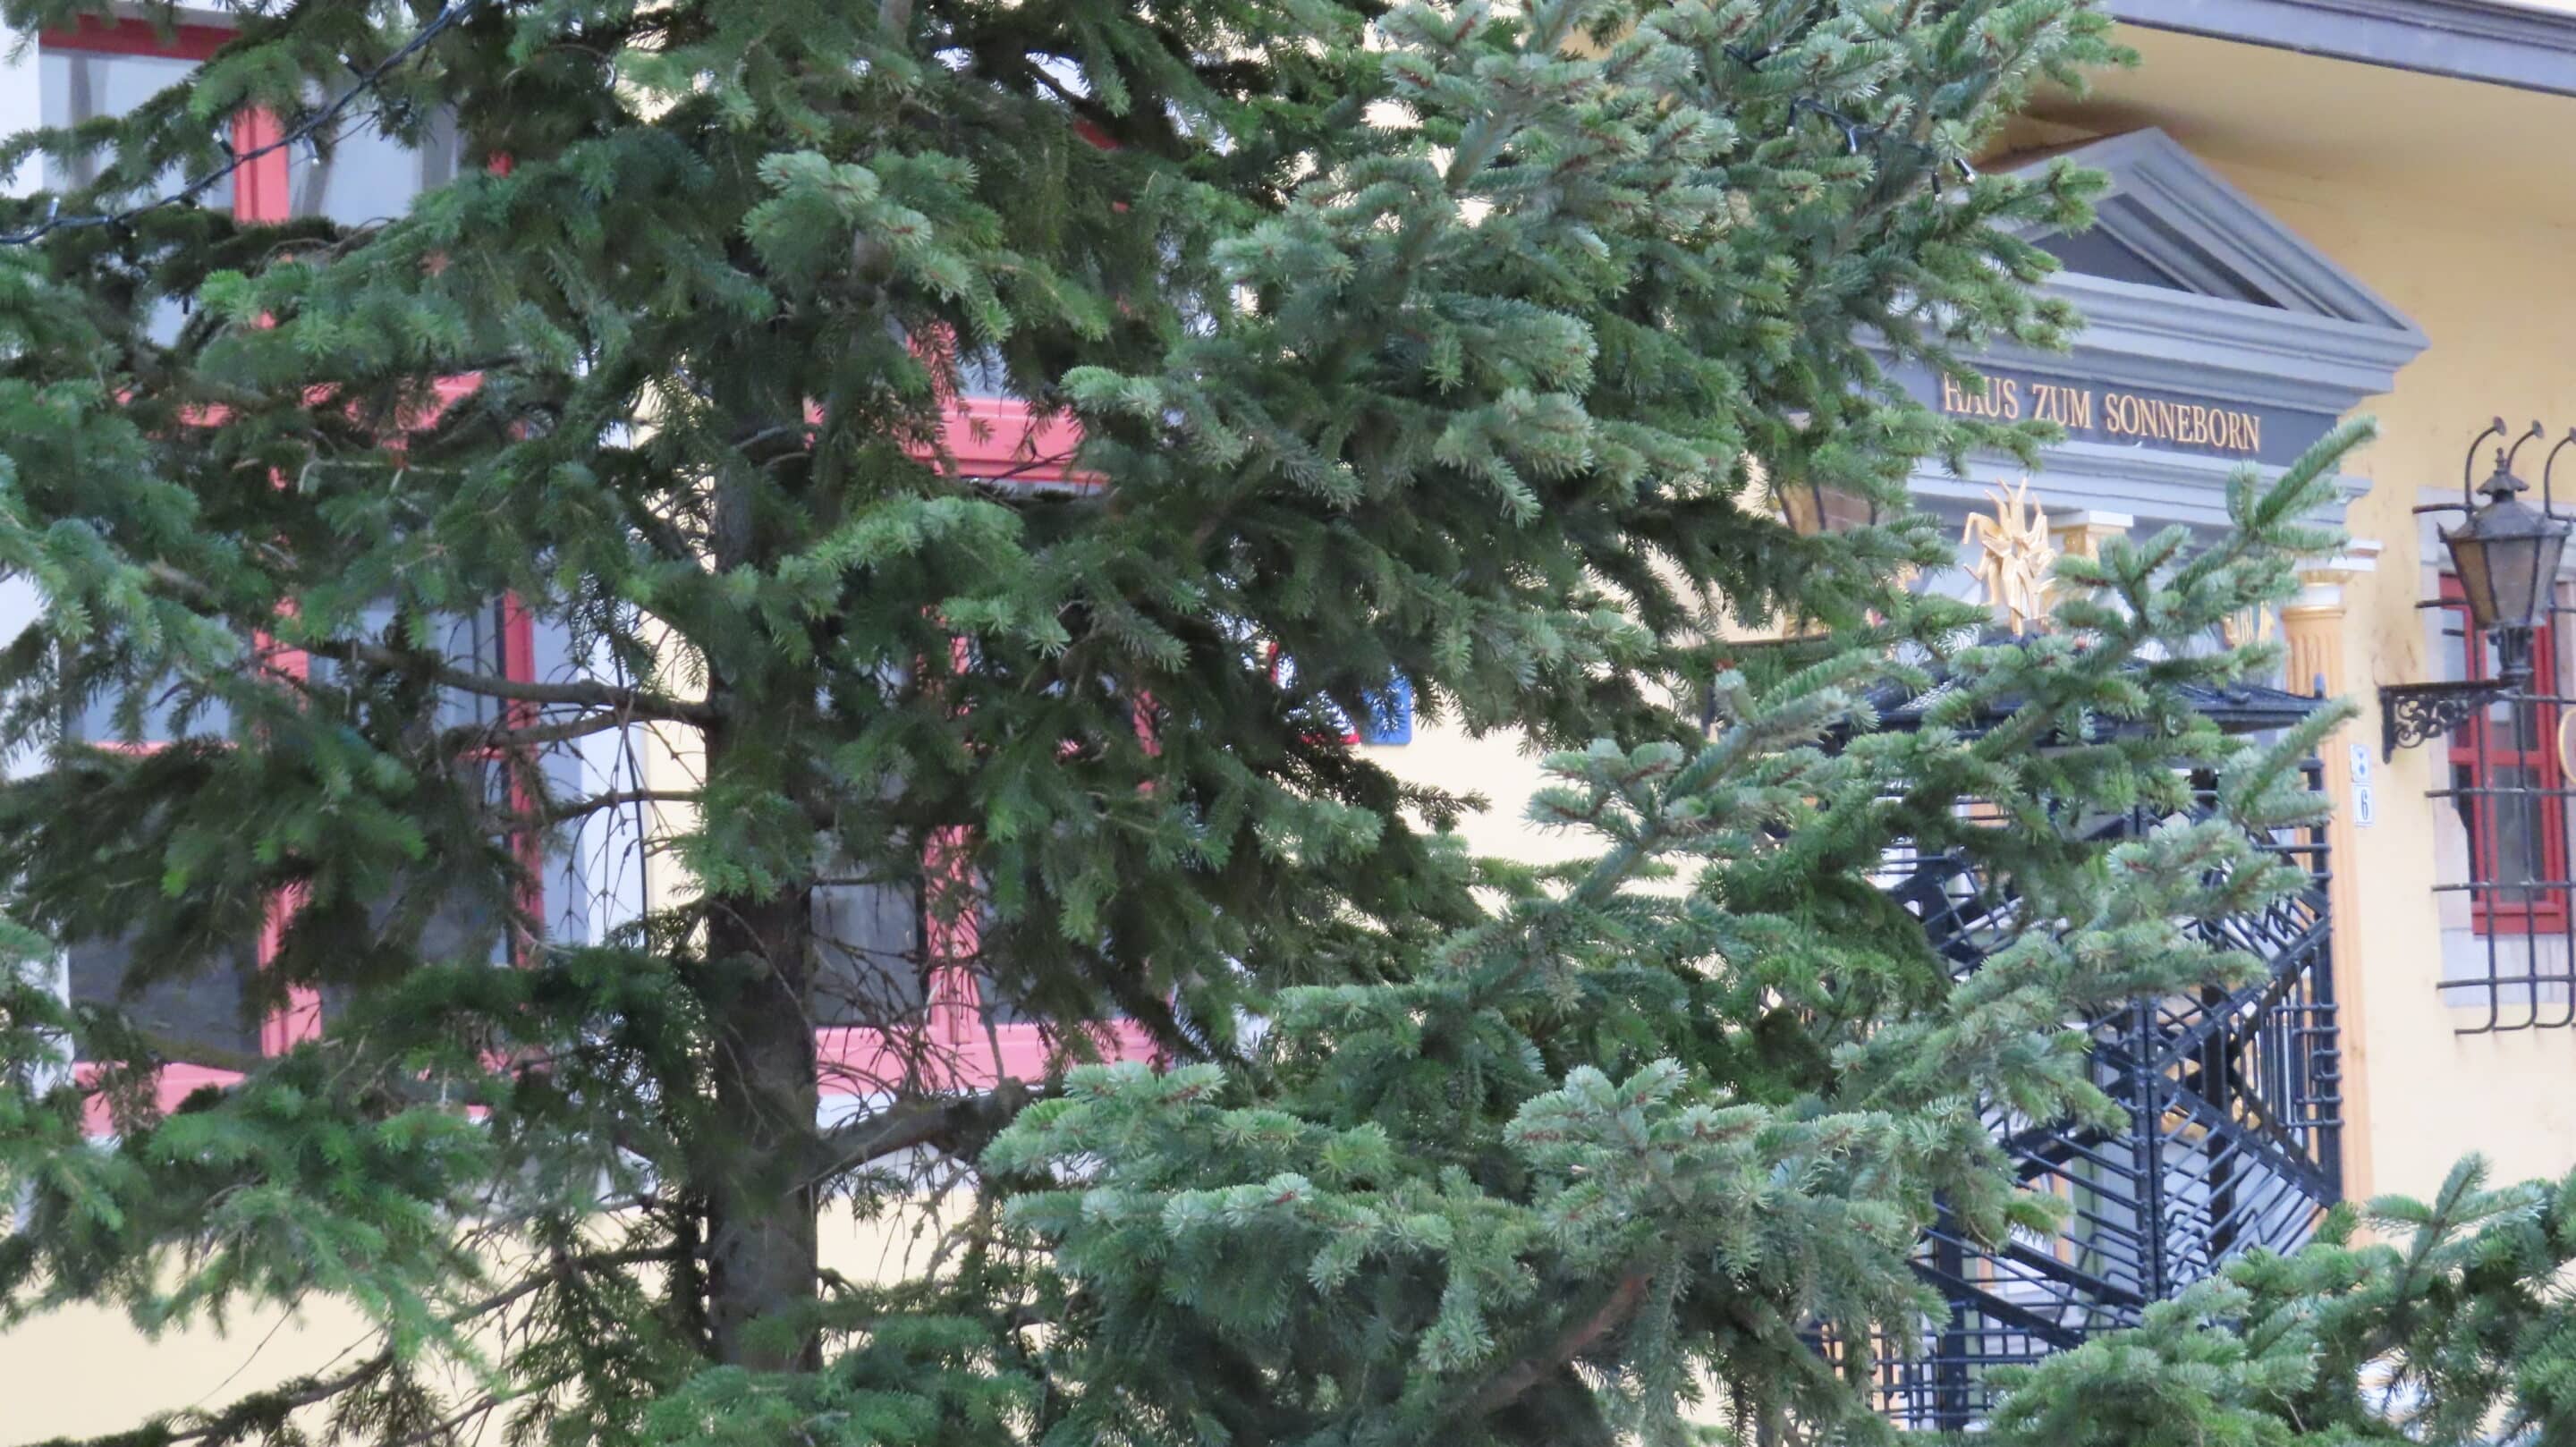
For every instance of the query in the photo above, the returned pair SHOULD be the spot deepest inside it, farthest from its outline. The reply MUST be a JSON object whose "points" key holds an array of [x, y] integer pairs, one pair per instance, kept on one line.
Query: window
{"points": [[210, 1008], [98, 69], [998, 438], [77, 84], [356, 175], [1390, 715], [1387, 712], [871, 959], [95, 69], [360, 175], [2508, 785], [205, 1012]]}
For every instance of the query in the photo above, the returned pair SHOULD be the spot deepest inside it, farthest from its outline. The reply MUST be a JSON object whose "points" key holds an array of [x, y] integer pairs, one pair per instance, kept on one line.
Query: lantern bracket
{"points": [[2414, 713]]}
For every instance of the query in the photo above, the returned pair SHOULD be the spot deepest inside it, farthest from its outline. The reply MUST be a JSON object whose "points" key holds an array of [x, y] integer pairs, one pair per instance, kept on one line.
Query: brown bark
{"points": [[762, 1261], [1529, 1371]]}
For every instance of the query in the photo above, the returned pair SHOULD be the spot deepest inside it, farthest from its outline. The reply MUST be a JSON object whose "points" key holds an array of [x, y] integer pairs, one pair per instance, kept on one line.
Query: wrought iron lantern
{"points": [[2506, 558]]}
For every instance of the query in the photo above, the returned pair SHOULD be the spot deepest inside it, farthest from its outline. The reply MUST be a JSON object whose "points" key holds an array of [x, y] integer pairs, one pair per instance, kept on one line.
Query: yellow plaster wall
{"points": [[2488, 284], [2490, 293], [1497, 768], [2456, 202], [88, 1371]]}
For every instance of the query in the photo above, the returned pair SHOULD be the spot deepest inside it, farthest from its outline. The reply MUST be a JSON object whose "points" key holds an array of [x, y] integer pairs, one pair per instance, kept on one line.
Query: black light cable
{"points": [[305, 130]]}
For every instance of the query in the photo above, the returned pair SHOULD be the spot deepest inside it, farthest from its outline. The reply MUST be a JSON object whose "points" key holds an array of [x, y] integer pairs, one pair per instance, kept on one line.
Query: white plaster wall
{"points": [[19, 99]]}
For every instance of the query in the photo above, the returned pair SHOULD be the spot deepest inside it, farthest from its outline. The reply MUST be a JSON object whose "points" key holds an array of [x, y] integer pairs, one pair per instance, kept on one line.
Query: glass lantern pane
{"points": [[2514, 565], [2469, 563]]}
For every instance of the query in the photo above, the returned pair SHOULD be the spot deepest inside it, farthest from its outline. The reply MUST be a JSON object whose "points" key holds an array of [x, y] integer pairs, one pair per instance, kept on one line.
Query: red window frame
{"points": [[2477, 751], [1002, 440], [1006, 441], [262, 195], [999, 438], [961, 1048]]}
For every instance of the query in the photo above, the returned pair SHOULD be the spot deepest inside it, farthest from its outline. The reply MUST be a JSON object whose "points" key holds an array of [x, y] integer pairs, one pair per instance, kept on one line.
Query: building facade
{"points": [[2320, 208], [2323, 210]]}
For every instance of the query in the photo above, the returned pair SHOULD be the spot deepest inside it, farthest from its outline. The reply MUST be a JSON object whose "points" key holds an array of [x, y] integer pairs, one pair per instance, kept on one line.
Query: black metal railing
{"points": [[2508, 933], [2231, 1140]]}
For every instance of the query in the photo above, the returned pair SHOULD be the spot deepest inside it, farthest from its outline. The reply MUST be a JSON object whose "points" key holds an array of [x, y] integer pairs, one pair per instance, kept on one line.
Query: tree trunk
{"points": [[761, 1231], [761, 1253]]}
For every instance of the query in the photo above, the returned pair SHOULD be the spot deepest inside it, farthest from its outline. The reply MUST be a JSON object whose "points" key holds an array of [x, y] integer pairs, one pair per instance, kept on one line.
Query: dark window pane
{"points": [[2522, 726], [471, 642], [208, 1008], [371, 627], [980, 373], [2510, 721], [1001, 1006], [466, 926], [2514, 818], [868, 969], [413, 921]]}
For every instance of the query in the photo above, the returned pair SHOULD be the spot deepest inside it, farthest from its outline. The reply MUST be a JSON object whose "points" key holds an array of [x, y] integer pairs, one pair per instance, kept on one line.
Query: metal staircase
{"points": [[2230, 1142]]}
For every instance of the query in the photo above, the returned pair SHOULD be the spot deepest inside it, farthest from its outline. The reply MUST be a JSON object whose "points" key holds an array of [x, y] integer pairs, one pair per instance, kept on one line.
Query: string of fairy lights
{"points": [[303, 131]]}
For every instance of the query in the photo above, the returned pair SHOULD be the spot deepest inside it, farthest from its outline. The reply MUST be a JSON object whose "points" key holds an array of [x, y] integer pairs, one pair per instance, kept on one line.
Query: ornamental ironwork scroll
{"points": [[2431, 711]]}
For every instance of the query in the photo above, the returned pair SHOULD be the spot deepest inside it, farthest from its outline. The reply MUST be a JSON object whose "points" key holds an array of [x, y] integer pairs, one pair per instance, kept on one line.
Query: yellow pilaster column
{"points": [[2081, 535], [2312, 628]]}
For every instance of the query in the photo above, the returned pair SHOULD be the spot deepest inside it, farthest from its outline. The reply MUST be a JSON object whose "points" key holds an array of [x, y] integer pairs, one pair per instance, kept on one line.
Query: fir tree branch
{"points": [[586, 693], [617, 799], [632, 703], [952, 1123], [1515, 1380], [260, 1407], [174, 1050], [497, 738]]}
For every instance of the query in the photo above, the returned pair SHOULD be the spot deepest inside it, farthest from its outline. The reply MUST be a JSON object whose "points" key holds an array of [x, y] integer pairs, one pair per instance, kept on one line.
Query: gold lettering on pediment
{"points": [[2091, 411]]}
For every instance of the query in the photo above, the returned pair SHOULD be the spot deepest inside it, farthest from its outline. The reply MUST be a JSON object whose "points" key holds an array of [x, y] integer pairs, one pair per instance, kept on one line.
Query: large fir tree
{"points": [[1461, 345]]}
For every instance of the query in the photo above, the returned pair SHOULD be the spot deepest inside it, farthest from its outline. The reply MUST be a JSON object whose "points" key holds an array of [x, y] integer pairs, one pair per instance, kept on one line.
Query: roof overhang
{"points": [[2486, 41]]}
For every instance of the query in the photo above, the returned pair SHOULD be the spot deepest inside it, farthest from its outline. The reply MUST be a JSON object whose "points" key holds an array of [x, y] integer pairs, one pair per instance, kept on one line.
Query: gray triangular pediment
{"points": [[2212, 337], [2169, 221]]}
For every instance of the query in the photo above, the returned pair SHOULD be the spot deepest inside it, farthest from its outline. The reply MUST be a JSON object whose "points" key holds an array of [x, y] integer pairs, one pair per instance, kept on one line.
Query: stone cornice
{"points": [[2157, 486], [2486, 41]]}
